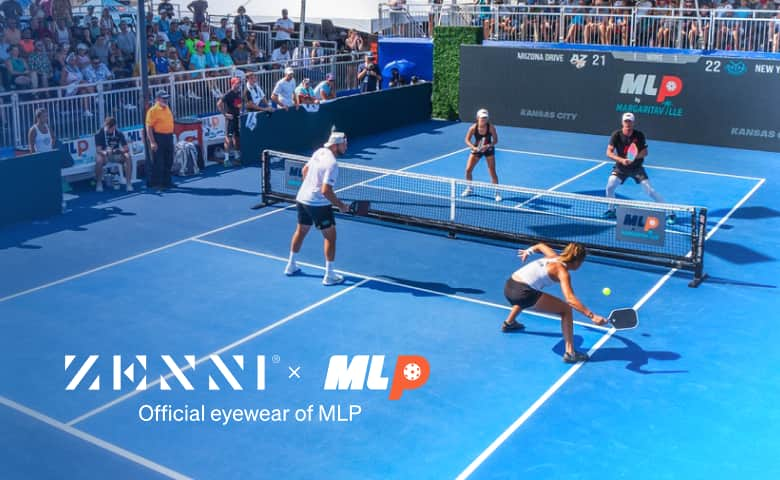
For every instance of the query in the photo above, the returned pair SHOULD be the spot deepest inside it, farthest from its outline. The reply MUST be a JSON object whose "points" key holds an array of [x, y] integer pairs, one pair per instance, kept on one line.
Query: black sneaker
{"points": [[512, 327], [575, 357], [671, 220]]}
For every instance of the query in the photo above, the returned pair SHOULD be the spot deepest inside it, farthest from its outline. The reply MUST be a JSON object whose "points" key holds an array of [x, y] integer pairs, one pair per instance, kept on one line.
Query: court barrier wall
{"points": [[30, 187], [720, 101], [301, 131]]}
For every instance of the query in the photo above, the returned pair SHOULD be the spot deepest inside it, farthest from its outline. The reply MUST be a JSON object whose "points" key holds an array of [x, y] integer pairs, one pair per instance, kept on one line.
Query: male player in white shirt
{"points": [[314, 200]]}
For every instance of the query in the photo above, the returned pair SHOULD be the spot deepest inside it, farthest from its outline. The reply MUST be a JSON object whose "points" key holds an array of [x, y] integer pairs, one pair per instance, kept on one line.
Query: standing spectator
{"points": [[159, 131], [284, 90], [283, 27], [255, 96], [106, 21], [774, 33], [280, 57], [304, 94], [111, 146], [126, 41], [165, 7], [95, 30], [40, 64], [368, 76], [11, 9], [242, 24], [398, 16], [62, 33], [18, 71], [62, 9], [86, 20], [326, 89], [230, 106], [198, 9], [40, 138], [354, 42]]}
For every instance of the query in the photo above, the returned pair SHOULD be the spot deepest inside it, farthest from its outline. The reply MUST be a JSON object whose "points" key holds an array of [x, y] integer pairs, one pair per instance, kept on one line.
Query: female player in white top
{"points": [[524, 289]]}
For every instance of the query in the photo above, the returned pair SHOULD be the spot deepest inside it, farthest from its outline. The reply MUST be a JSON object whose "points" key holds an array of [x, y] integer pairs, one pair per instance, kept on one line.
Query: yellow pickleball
{"points": [[606, 291]]}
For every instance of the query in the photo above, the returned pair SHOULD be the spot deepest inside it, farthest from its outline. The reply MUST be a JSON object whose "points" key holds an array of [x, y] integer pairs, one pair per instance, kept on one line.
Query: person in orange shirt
{"points": [[159, 133]]}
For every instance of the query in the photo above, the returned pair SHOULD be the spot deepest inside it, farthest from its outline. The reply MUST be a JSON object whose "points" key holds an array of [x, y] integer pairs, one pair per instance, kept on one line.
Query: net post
{"points": [[265, 180], [453, 192], [697, 248]]}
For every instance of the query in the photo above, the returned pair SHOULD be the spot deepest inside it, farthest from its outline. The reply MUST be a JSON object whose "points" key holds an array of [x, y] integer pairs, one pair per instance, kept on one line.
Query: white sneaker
{"points": [[498, 197], [291, 269], [332, 279], [192, 96], [129, 187], [466, 192], [99, 187]]}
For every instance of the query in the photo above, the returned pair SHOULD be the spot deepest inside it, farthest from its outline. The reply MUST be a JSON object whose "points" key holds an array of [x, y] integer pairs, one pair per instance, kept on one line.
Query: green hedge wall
{"points": [[446, 67]]}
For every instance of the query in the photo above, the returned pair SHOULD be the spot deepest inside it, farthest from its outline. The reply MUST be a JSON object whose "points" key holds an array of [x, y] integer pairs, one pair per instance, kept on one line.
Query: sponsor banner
{"points": [[293, 173], [681, 98], [640, 226]]}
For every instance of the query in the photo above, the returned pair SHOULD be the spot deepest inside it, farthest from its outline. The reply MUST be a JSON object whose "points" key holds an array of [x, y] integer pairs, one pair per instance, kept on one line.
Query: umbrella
{"points": [[405, 68]]}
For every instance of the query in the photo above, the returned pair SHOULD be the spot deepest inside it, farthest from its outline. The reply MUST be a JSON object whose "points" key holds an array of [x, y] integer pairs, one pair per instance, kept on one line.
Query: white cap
{"points": [[628, 116], [482, 113], [336, 138], [289, 70]]}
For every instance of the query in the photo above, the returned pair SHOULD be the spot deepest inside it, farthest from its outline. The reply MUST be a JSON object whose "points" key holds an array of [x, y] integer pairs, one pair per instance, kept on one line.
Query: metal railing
{"points": [[742, 30], [193, 94]]}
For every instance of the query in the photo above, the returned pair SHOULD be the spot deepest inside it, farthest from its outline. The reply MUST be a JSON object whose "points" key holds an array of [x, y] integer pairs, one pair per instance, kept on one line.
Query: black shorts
{"points": [[490, 152], [232, 127], [321, 216], [638, 174], [520, 294]]}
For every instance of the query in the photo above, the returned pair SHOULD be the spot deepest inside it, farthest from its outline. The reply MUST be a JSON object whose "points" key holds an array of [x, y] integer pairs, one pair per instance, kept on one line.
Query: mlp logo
{"points": [[644, 85], [411, 372], [641, 226]]}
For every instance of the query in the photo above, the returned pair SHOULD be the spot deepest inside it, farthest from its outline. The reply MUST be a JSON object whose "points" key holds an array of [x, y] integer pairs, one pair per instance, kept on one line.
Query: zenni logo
{"points": [[643, 84], [411, 372], [736, 68]]}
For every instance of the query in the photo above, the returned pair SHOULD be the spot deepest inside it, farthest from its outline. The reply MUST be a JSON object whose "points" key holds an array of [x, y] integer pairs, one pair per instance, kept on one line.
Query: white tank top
{"points": [[535, 273], [42, 140]]}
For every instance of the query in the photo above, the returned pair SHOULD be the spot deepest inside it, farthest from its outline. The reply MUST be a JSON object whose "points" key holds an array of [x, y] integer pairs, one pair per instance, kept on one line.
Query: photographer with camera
{"points": [[368, 75], [111, 146]]}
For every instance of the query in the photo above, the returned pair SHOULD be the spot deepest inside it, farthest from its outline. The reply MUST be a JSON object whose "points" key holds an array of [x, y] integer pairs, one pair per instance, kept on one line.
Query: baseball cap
{"points": [[330, 77], [200, 44], [482, 113], [235, 81], [162, 48], [336, 138], [289, 70], [628, 116], [162, 94]]}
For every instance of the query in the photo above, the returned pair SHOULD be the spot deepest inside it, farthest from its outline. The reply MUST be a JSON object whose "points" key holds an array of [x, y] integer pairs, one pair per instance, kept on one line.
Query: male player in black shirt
{"points": [[230, 106], [623, 145]]}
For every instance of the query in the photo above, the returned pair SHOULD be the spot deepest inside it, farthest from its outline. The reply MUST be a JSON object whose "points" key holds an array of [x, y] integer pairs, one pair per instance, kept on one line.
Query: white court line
{"points": [[222, 350], [398, 284], [566, 376], [649, 167], [565, 182], [194, 237], [109, 447]]}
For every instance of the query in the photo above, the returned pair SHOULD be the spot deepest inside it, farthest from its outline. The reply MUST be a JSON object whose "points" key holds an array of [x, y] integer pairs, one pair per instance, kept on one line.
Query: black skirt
{"points": [[520, 294]]}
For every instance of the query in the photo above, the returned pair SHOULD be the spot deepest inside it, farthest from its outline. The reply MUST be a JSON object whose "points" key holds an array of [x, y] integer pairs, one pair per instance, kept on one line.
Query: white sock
{"points": [[328, 268], [292, 258]]}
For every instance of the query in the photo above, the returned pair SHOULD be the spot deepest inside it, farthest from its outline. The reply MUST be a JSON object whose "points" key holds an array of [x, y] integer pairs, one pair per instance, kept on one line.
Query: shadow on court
{"points": [[435, 286]]}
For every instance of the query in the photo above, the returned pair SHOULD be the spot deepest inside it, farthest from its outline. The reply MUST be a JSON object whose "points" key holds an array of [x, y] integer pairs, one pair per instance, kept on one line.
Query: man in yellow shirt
{"points": [[159, 132]]}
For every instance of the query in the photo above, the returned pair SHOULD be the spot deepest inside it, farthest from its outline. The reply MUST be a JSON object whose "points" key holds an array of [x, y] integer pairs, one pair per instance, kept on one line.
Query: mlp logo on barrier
{"points": [[293, 173], [640, 226], [411, 372], [645, 85]]}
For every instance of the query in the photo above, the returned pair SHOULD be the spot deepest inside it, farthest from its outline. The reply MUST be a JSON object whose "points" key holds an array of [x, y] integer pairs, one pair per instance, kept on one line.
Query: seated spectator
{"points": [[198, 59], [27, 44], [223, 57], [18, 71], [191, 42], [395, 79], [58, 63], [414, 80], [255, 97], [174, 34], [62, 33], [326, 89], [255, 54], [39, 30], [183, 52], [205, 33], [242, 24], [12, 10], [40, 64], [280, 56], [12, 35], [86, 20], [220, 33], [150, 68], [125, 40], [284, 90], [101, 49], [161, 63], [240, 54], [73, 80], [81, 35], [368, 76], [95, 30], [97, 71], [164, 23], [111, 147], [82, 56], [185, 26], [118, 62], [354, 42], [159, 35], [304, 94], [175, 64]]}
